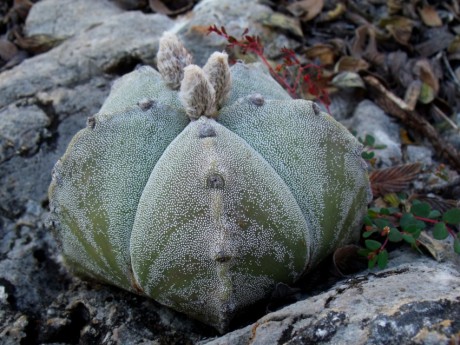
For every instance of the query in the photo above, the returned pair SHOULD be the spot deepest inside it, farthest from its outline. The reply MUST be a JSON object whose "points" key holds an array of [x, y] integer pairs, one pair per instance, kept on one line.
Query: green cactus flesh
{"points": [[206, 216]]}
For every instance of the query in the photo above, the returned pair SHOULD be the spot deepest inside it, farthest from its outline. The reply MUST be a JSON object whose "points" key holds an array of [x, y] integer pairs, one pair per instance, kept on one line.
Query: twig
{"points": [[389, 103]]}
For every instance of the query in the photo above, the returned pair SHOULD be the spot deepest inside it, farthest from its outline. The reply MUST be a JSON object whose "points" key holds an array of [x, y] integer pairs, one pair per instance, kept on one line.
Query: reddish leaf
{"points": [[394, 179]]}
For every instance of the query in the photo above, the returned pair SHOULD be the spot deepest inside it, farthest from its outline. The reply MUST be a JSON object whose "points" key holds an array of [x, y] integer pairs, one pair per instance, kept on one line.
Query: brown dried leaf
{"points": [[429, 16], [434, 247], [37, 44], [412, 94], [280, 21], [440, 39], [454, 49], [424, 71], [169, 7], [306, 9], [346, 261], [335, 13], [7, 50], [399, 27], [22, 8], [394, 6], [394, 179], [396, 63], [323, 52], [348, 79], [351, 64]]}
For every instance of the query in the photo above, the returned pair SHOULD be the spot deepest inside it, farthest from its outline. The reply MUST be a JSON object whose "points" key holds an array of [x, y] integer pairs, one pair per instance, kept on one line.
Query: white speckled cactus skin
{"points": [[206, 194]]}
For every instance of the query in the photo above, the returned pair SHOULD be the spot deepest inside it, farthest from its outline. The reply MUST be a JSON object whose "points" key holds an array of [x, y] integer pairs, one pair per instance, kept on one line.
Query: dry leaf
{"points": [[351, 64], [348, 79], [434, 247], [7, 50], [429, 16], [346, 261], [394, 6], [440, 39], [37, 44], [394, 179], [22, 7], [170, 7], [424, 71], [283, 22], [405, 137], [323, 52], [335, 13], [399, 27], [306, 9], [364, 45], [412, 94], [454, 49]]}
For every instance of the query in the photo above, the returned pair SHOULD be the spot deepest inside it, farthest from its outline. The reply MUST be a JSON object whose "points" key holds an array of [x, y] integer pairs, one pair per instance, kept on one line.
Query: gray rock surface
{"points": [[236, 16], [64, 18], [368, 118], [420, 154], [416, 300], [46, 99]]}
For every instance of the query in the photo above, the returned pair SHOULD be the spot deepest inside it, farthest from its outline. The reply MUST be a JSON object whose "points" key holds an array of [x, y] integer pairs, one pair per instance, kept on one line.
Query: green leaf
{"points": [[411, 228], [440, 231], [393, 210], [367, 155], [421, 209], [385, 211], [416, 234], [382, 259], [371, 262], [395, 235], [372, 245], [373, 212], [452, 216], [408, 238], [367, 234], [363, 252], [369, 140], [420, 224], [407, 220], [434, 214], [457, 246], [381, 223], [367, 220]]}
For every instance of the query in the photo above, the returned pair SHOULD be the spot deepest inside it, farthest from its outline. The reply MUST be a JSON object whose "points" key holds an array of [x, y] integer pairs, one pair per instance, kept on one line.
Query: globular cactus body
{"points": [[204, 198]]}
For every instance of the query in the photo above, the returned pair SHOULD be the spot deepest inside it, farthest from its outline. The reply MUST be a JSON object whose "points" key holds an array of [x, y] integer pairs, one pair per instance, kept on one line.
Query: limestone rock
{"points": [[414, 301]]}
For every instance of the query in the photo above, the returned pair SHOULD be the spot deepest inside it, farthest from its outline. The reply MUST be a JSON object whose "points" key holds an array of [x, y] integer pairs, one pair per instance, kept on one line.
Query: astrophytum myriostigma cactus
{"points": [[203, 188]]}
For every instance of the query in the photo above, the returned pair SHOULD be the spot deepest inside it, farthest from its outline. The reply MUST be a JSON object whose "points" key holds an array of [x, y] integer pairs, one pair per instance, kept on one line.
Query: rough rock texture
{"points": [[414, 301], [64, 18], [45, 100], [236, 16], [368, 118]]}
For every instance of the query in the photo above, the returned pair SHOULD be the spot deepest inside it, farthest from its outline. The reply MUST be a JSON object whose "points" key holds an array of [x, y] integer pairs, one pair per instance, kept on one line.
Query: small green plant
{"points": [[384, 225], [369, 147]]}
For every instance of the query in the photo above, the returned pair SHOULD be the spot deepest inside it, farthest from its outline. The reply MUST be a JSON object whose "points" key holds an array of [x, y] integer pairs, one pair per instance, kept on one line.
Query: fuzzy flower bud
{"points": [[218, 73], [197, 93], [172, 57]]}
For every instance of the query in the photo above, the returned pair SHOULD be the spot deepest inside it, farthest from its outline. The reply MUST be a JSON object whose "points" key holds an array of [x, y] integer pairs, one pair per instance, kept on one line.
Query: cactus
{"points": [[203, 188]]}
